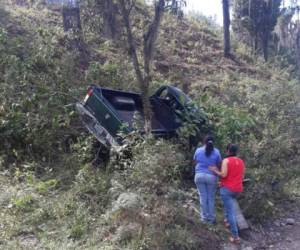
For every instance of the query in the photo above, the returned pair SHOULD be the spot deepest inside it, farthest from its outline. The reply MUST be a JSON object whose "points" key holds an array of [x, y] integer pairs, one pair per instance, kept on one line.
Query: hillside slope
{"points": [[52, 197]]}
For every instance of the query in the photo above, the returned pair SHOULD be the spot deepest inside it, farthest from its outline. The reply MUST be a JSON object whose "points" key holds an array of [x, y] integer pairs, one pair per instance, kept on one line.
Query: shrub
{"points": [[154, 163], [92, 187], [45, 186], [78, 228], [260, 117], [23, 203]]}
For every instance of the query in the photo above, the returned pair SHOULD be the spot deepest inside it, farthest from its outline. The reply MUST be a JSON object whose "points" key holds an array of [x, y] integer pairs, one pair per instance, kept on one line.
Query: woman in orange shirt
{"points": [[232, 174]]}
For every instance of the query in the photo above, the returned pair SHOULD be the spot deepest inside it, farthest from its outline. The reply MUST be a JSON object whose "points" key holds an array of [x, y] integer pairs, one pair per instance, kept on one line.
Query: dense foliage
{"points": [[254, 21], [54, 198]]}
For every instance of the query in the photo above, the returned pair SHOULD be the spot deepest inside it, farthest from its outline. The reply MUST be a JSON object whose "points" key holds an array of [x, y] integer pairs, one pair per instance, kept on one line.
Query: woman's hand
{"points": [[213, 168], [224, 169]]}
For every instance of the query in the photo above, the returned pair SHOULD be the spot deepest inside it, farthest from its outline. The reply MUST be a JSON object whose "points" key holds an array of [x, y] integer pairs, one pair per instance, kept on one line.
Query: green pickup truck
{"points": [[105, 112]]}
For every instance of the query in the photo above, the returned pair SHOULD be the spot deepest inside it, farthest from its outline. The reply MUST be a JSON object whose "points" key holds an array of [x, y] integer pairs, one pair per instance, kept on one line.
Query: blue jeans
{"points": [[228, 199], [206, 186]]}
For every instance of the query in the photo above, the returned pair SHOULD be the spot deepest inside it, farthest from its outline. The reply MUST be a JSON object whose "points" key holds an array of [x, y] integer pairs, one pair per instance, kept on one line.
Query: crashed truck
{"points": [[105, 112]]}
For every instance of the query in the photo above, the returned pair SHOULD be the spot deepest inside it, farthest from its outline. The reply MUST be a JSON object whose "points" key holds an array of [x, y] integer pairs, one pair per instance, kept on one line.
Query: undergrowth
{"points": [[53, 197]]}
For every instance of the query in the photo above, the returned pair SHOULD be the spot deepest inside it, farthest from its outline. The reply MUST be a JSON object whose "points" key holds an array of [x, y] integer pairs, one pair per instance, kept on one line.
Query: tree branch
{"points": [[150, 37], [131, 43]]}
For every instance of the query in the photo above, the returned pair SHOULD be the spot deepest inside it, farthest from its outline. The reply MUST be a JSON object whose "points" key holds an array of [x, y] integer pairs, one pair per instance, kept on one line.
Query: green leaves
{"points": [[36, 74], [3, 36], [23, 203], [193, 120], [43, 187], [230, 124]]}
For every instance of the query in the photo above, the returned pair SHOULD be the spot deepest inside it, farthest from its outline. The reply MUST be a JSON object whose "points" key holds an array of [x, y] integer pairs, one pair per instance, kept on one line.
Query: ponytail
{"points": [[209, 145]]}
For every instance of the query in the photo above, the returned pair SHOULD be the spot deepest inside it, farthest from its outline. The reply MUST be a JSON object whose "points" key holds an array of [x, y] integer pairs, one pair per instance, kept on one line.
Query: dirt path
{"points": [[278, 234], [284, 233]]}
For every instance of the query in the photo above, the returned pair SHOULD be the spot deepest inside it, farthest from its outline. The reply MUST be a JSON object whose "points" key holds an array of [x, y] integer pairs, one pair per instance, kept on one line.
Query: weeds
{"points": [[56, 196]]}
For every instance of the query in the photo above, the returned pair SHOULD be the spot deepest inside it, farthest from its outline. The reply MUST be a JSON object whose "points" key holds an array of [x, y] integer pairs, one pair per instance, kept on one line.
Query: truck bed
{"points": [[105, 112], [129, 105]]}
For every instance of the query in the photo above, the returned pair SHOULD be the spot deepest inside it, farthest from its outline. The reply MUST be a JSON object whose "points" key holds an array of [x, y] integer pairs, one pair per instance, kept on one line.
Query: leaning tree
{"points": [[143, 69]]}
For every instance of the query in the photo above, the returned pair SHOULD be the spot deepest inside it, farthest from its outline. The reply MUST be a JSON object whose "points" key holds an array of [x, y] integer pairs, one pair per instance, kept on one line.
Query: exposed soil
{"points": [[282, 233]]}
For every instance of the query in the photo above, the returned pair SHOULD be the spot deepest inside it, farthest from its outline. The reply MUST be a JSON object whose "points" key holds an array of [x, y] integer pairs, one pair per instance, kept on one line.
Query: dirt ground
{"points": [[282, 233]]}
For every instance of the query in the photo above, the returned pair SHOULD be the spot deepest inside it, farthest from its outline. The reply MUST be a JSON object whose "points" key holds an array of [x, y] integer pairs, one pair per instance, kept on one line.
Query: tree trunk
{"points": [[131, 44], [265, 45], [149, 42], [298, 49], [249, 8], [109, 19], [255, 43], [226, 25], [71, 18]]}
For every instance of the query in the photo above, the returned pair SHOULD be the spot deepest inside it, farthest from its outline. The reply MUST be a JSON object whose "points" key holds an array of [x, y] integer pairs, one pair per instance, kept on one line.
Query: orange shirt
{"points": [[235, 173]]}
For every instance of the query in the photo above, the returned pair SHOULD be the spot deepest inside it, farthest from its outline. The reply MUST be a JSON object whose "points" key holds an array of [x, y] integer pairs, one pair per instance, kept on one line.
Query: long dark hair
{"points": [[209, 145]]}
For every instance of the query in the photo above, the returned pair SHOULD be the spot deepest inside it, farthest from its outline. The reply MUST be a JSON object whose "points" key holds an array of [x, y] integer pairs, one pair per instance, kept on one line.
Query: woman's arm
{"points": [[224, 169], [195, 158]]}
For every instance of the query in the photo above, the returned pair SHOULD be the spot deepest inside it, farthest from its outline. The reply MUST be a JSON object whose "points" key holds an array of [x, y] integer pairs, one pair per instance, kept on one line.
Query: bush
{"points": [[23, 203], [261, 118], [35, 110], [92, 187], [44, 186], [154, 163]]}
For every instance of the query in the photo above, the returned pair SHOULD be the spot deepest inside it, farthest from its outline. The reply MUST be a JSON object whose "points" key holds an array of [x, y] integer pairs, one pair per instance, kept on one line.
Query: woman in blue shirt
{"points": [[205, 179]]}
